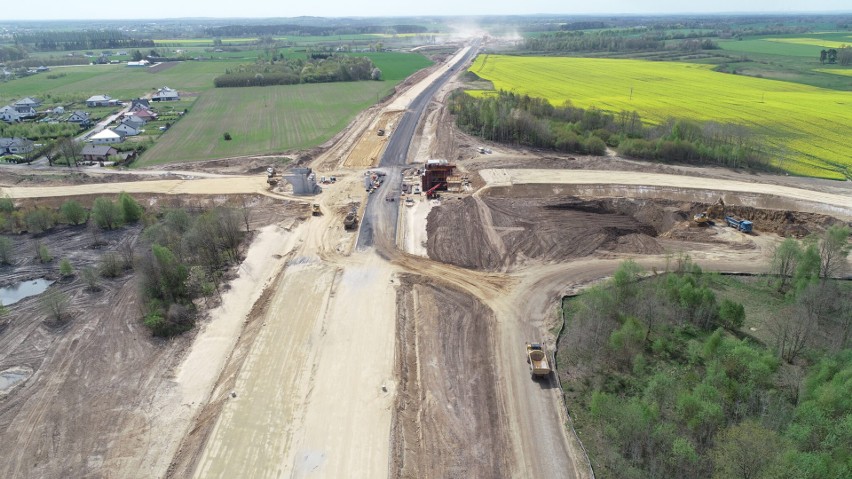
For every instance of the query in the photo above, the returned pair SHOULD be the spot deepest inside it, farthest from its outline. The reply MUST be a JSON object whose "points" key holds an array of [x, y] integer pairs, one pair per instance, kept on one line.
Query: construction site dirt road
{"points": [[336, 354]]}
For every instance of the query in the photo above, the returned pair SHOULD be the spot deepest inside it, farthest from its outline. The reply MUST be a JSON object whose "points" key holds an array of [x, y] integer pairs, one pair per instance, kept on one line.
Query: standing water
{"points": [[24, 289]]}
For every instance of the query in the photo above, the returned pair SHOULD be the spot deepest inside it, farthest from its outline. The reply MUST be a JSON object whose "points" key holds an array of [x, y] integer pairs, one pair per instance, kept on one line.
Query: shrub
{"points": [[7, 205], [5, 250], [44, 255], [731, 314], [131, 211], [39, 220], [106, 213], [595, 146], [65, 268], [73, 212], [90, 276], [111, 266], [227, 136]]}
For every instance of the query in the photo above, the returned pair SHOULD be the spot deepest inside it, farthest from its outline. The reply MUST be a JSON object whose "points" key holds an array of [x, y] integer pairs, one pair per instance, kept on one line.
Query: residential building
{"points": [[139, 103], [106, 136], [28, 101], [9, 114], [98, 152], [16, 146], [79, 116], [99, 100], [146, 115], [126, 130], [166, 94], [133, 121]]}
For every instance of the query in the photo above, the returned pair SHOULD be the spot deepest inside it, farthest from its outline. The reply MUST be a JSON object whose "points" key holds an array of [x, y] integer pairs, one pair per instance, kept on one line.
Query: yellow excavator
{"points": [[714, 211]]}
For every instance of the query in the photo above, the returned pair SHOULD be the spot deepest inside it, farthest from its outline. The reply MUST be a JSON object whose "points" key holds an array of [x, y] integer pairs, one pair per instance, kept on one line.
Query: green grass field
{"points": [[263, 120], [118, 81], [808, 126]]}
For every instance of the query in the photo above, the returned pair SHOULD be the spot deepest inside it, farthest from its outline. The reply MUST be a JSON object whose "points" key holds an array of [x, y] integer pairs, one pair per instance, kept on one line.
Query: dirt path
{"points": [[807, 200]]}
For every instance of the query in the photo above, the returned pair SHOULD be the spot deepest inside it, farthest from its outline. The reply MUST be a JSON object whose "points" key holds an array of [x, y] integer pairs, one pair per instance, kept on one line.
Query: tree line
{"points": [[310, 30], [46, 41], [290, 71], [665, 381], [832, 56], [508, 117]]}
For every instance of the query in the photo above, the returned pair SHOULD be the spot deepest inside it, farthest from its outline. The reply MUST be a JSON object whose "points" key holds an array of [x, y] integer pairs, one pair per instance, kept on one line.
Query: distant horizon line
{"points": [[599, 14]]}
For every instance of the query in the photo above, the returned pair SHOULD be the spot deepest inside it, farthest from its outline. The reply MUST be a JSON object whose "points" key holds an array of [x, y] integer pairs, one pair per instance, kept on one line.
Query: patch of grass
{"points": [[263, 120], [807, 126]]}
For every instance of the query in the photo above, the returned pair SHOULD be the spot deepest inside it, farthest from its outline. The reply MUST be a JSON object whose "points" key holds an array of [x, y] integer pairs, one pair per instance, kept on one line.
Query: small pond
{"points": [[24, 289], [9, 378]]}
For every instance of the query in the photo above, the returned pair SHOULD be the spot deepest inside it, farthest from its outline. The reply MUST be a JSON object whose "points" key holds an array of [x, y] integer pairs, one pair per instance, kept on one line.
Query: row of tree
{"points": [[508, 117], [47, 40], [832, 56], [310, 30], [286, 71]]}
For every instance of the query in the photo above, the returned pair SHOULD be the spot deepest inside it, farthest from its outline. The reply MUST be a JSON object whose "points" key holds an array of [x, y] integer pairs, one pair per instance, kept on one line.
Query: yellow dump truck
{"points": [[537, 359], [315, 209]]}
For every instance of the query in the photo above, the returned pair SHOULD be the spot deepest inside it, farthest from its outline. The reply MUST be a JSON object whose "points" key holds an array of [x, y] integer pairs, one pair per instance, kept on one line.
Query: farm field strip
{"points": [[834, 71], [263, 120], [811, 126], [816, 42]]}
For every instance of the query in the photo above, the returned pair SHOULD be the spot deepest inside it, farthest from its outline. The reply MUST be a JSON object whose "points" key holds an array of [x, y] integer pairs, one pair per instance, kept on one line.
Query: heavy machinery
{"points": [[350, 221], [381, 132], [740, 224], [271, 180], [315, 210], [433, 191], [537, 359], [714, 211]]}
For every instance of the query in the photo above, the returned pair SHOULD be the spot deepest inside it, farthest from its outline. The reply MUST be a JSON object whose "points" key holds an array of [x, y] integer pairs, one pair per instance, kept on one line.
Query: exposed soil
{"points": [[497, 232], [448, 421], [102, 400]]}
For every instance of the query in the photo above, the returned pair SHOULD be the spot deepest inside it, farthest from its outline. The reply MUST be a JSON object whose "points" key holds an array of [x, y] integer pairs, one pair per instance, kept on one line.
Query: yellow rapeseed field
{"points": [[815, 42], [809, 129]]}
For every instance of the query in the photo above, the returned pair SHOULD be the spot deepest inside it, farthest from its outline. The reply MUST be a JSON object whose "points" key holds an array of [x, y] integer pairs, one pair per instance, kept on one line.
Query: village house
{"points": [[133, 121], [16, 146], [28, 101], [146, 115], [79, 116], [126, 130], [99, 100], [9, 114], [106, 136], [139, 104], [99, 153], [166, 94]]}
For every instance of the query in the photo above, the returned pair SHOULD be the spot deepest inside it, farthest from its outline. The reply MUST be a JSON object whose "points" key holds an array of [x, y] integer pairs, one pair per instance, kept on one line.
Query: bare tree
{"points": [[833, 250], [245, 201], [70, 149], [791, 332], [784, 261]]}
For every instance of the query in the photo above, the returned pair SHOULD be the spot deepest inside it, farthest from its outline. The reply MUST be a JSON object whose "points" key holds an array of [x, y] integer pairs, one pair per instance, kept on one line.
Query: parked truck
{"points": [[740, 224], [537, 359], [350, 221], [315, 209]]}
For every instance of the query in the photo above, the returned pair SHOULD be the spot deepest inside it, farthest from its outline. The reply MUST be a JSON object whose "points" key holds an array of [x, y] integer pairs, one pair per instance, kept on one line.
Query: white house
{"points": [[98, 100], [16, 146], [106, 136], [9, 114], [28, 101], [126, 130], [166, 94], [59, 110]]}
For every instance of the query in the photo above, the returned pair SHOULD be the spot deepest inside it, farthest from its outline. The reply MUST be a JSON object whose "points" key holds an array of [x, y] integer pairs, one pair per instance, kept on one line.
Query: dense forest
{"points": [[664, 381], [47, 41], [507, 117], [288, 71], [318, 31]]}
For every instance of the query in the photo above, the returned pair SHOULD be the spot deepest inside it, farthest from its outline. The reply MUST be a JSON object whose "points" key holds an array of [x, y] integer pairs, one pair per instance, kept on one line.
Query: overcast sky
{"points": [[86, 9]]}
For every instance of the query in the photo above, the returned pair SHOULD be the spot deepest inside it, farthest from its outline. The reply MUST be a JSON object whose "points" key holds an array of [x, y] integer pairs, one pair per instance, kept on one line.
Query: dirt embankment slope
{"points": [[506, 227], [448, 419]]}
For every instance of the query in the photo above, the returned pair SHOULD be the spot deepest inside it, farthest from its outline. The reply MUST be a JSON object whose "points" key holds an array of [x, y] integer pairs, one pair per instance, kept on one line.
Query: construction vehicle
{"points": [[714, 211], [271, 180], [537, 359], [381, 132], [433, 191], [740, 224], [315, 209], [350, 221]]}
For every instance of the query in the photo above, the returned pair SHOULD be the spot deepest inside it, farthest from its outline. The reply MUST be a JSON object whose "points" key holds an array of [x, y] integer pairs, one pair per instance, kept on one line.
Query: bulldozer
{"points": [[714, 211], [271, 180]]}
